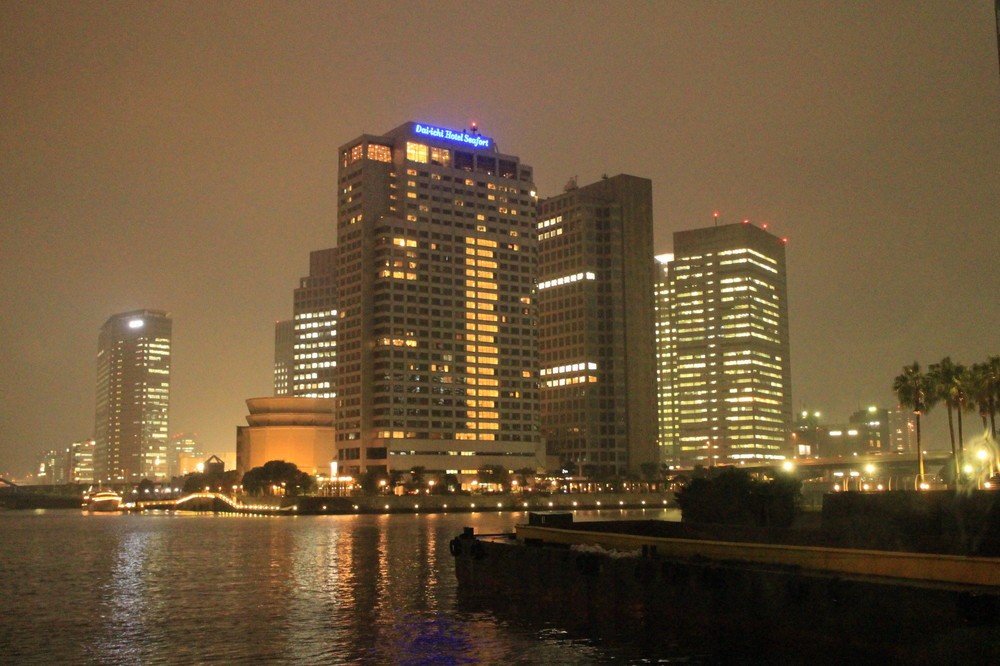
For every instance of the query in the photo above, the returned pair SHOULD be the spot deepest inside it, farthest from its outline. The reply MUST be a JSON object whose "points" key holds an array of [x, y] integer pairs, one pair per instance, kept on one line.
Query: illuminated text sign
{"points": [[473, 140]]}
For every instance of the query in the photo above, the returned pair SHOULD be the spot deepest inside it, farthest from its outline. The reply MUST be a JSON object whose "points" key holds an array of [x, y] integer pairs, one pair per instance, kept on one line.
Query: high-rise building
{"points": [[727, 353], [872, 424], [73, 464], [81, 462], [867, 431], [595, 302], [133, 396], [314, 355], [664, 342], [284, 356], [902, 430], [182, 446], [53, 468], [437, 327]]}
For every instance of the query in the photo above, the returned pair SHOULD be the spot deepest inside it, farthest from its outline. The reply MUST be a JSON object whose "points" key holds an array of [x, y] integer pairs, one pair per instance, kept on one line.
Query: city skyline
{"points": [[185, 159]]}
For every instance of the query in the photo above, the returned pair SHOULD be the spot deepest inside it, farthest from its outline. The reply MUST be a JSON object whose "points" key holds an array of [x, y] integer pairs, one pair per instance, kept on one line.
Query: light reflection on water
{"points": [[377, 589]]}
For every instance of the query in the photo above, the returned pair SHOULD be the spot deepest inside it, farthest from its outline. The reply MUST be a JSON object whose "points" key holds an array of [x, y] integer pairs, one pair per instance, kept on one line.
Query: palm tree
{"points": [[992, 372], [948, 385], [983, 385], [981, 393], [912, 390]]}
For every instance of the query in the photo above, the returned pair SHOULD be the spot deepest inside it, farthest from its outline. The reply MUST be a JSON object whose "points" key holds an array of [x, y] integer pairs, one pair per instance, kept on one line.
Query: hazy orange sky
{"points": [[183, 156]]}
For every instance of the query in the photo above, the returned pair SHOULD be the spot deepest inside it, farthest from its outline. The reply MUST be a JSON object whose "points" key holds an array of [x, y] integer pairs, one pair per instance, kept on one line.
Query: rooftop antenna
{"points": [[716, 216]]}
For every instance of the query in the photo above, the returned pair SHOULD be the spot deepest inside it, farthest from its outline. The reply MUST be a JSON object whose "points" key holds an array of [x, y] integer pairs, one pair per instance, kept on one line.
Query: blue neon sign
{"points": [[474, 140]]}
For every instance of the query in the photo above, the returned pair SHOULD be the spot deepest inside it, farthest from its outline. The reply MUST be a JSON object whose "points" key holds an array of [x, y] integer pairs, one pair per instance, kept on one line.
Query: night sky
{"points": [[183, 156]]}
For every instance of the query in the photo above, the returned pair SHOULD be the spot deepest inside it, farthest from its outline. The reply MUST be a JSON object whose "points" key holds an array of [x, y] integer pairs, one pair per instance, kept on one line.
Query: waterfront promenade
{"points": [[319, 504]]}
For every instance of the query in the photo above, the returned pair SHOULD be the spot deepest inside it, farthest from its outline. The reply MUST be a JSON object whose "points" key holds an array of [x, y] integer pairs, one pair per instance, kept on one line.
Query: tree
{"points": [[948, 385], [732, 497], [197, 482], [372, 482], [650, 472], [912, 389], [981, 392], [494, 474], [525, 477], [145, 489], [450, 483], [261, 480], [990, 378], [416, 478]]}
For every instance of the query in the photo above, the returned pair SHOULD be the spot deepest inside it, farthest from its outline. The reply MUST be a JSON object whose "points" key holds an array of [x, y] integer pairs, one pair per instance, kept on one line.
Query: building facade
{"points": [[596, 303], [727, 353], [81, 462], [53, 468], [664, 344], [314, 336], [74, 464], [133, 397], [181, 447], [902, 430], [437, 326], [867, 431], [284, 356], [296, 430]]}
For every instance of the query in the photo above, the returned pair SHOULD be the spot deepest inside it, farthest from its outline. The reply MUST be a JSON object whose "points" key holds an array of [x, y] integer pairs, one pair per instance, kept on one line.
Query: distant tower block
{"points": [[133, 397], [724, 369]]}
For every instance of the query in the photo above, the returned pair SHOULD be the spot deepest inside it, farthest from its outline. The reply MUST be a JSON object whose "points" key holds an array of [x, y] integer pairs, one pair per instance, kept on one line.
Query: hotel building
{"points": [[724, 348], [595, 299], [437, 327], [133, 397]]}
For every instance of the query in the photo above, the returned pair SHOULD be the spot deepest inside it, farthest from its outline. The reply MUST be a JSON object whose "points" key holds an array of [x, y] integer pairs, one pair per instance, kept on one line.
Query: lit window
{"points": [[440, 156], [379, 153], [416, 152]]}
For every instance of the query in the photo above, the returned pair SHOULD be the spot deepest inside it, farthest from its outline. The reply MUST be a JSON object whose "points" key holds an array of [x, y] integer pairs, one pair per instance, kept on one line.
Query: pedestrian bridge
{"points": [[209, 501]]}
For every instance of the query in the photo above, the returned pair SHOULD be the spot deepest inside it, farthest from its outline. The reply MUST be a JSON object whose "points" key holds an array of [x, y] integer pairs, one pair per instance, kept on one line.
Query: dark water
{"points": [[190, 589]]}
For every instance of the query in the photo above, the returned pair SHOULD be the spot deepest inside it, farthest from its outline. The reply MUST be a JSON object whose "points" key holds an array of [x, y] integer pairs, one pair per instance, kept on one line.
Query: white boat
{"points": [[105, 500]]}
